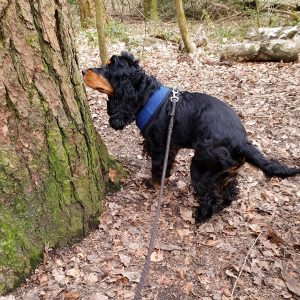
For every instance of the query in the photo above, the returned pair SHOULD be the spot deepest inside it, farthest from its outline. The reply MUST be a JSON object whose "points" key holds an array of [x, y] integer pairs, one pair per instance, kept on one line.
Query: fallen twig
{"points": [[244, 263]]}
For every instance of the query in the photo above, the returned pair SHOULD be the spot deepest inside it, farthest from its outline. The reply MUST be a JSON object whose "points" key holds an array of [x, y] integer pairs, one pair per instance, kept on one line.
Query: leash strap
{"points": [[138, 293]]}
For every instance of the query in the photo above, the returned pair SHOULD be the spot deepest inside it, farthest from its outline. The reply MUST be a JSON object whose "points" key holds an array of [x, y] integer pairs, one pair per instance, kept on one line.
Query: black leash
{"points": [[138, 293]]}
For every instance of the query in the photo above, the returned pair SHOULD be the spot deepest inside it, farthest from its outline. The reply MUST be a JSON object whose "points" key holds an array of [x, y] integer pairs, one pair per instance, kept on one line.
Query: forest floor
{"points": [[191, 261]]}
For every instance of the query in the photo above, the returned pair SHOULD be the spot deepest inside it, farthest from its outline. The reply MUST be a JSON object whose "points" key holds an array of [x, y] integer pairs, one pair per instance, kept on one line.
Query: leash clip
{"points": [[175, 97]]}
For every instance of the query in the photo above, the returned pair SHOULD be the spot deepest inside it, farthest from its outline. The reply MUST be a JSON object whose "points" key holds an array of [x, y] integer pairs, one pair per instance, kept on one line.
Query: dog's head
{"points": [[126, 85]]}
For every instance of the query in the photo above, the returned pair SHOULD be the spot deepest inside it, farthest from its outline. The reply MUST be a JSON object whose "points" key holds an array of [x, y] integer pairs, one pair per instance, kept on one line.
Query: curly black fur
{"points": [[202, 122]]}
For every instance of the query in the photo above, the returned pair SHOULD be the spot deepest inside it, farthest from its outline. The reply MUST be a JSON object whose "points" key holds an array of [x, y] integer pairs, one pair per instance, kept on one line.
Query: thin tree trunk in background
{"points": [[183, 26], [257, 5], [113, 6], [53, 165], [122, 10], [83, 14], [88, 9], [100, 22], [150, 9]]}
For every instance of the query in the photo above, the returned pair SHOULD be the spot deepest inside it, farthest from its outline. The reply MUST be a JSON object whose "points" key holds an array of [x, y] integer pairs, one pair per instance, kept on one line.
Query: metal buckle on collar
{"points": [[175, 97]]}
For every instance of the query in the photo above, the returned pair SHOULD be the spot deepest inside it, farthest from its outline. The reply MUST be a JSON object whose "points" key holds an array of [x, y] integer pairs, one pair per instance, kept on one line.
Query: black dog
{"points": [[202, 123]]}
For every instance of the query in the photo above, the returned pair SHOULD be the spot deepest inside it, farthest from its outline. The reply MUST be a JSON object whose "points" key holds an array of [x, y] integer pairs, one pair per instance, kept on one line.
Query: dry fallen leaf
{"points": [[255, 228], [74, 272], [157, 256], [257, 279], [230, 274], [164, 281], [168, 247], [187, 214], [183, 232], [188, 288], [112, 174], [274, 237], [71, 296], [10, 297], [43, 279], [125, 260], [133, 276], [229, 232], [98, 296], [181, 272], [91, 278], [291, 277], [182, 186], [59, 276], [210, 243]]}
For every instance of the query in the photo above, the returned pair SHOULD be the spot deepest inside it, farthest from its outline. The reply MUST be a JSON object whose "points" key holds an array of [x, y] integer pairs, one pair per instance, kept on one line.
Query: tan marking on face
{"points": [[97, 82]]}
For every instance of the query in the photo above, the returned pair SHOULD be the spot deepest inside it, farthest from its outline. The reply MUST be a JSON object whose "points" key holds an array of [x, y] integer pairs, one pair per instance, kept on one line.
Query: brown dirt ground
{"points": [[191, 261]]}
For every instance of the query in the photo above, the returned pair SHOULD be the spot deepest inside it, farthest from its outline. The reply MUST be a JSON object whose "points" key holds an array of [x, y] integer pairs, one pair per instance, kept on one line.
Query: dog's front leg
{"points": [[157, 167]]}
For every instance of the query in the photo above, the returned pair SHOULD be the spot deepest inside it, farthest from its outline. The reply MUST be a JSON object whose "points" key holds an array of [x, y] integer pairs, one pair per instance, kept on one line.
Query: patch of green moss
{"points": [[58, 160], [18, 252], [32, 40]]}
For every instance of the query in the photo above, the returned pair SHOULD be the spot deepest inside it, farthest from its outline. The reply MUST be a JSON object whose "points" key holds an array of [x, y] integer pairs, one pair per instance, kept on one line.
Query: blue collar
{"points": [[145, 114]]}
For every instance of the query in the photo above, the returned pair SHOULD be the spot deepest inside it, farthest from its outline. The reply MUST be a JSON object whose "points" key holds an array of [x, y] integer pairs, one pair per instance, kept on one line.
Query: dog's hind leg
{"points": [[204, 181], [229, 192], [214, 182]]}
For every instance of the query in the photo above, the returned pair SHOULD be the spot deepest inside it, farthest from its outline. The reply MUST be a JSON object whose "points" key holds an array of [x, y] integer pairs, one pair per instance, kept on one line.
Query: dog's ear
{"points": [[114, 59], [130, 59], [123, 104]]}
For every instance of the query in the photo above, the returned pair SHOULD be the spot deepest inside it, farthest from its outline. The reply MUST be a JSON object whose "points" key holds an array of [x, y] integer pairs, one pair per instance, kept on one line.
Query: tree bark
{"points": [[88, 9], [84, 12], [189, 47], [53, 165], [150, 9], [257, 8], [100, 22]]}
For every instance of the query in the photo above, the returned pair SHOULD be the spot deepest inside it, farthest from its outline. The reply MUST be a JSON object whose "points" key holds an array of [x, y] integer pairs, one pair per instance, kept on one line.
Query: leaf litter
{"points": [[190, 261]]}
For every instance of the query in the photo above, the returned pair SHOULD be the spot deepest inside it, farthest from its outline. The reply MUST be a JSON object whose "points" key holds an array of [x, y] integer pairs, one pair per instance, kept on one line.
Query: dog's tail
{"points": [[269, 167]]}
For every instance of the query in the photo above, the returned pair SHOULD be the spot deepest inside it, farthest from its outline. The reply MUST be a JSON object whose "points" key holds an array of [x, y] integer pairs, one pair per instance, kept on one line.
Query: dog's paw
{"points": [[117, 123], [202, 214], [151, 184]]}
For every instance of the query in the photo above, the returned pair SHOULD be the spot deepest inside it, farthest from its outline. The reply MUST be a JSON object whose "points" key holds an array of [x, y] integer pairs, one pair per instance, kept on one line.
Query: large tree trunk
{"points": [[53, 165]]}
